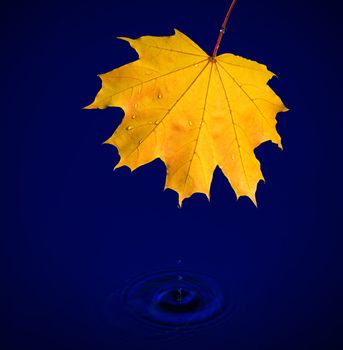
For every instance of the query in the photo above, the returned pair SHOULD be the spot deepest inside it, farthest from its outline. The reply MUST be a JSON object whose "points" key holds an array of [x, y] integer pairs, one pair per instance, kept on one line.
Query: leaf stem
{"points": [[223, 29]]}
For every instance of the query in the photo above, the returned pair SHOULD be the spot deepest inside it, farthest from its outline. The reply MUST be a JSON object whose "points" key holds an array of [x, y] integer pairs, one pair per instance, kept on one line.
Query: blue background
{"points": [[73, 232]]}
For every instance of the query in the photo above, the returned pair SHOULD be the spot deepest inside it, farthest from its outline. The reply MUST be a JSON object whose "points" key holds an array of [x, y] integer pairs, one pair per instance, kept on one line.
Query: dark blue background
{"points": [[73, 232]]}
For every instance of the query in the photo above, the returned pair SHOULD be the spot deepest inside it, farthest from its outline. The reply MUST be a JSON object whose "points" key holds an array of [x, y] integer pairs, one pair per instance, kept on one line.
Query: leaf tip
{"points": [[124, 38], [253, 199], [251, 196], [121, 164], [180, 202], [90, 106]]}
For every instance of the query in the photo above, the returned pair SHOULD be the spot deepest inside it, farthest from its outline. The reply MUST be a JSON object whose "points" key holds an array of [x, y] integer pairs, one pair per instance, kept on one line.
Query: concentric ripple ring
{"points": [[175, 299]]}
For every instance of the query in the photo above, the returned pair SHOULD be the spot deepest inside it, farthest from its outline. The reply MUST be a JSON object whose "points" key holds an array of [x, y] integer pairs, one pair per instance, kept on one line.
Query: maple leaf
{"points": [[193, 111]]}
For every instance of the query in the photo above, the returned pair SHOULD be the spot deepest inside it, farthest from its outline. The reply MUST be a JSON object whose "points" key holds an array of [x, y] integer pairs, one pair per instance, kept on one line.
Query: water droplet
{"points": [[202, 123], [159, 96], [133, 117], [136, 105], [129, 128], [233, 157], [180, 295], [156, 122], [190, 123], [140, 141], [196, 65]]}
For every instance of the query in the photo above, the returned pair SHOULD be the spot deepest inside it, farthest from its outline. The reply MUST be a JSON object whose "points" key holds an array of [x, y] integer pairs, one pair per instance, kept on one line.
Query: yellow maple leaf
{"points": [[193, 111]]}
